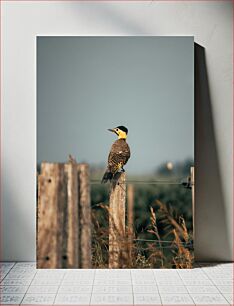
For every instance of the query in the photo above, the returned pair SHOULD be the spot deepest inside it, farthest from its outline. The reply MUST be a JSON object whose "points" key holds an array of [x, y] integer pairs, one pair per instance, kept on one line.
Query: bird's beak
{"points": [[112, 130]]}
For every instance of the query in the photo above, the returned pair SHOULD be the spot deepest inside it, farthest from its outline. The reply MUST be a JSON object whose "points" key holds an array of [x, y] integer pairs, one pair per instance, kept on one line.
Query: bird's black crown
{"points": [[123, 128]]}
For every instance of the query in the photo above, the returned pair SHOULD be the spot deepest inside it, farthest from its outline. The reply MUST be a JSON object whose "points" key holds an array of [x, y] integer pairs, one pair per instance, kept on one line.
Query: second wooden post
{"points": [[117, 222], [85, 216], [193, 198]]}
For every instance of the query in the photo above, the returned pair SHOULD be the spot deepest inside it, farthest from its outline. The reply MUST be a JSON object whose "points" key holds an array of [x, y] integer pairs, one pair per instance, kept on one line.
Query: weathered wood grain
{"points": [[85, 215], [193, 197], [130, 214], [72, 217], [117, 222], [50, 223]]}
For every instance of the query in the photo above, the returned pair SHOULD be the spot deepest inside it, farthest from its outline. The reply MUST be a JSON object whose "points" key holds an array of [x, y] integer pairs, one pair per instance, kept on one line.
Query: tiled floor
{"points": [[207, 284]]}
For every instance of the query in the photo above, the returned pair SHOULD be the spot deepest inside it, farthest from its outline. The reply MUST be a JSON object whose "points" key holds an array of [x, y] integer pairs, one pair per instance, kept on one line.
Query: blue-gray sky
{"points": [[88, 84]]}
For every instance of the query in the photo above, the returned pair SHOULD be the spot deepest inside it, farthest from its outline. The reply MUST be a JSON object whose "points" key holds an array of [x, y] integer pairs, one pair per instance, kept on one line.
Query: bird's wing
{"points": [[118, 157]]}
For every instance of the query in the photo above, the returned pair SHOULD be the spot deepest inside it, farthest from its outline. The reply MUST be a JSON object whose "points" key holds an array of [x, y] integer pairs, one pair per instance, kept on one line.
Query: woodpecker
{"points": [[119, 154]]}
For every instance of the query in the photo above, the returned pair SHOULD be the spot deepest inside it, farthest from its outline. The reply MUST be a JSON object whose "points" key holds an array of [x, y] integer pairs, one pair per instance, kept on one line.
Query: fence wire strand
{"points": [[185, 244], [151, 182]]}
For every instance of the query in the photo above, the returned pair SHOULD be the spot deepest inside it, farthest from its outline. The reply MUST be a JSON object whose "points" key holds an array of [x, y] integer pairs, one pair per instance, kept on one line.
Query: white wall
{"points": [[211, 24]]}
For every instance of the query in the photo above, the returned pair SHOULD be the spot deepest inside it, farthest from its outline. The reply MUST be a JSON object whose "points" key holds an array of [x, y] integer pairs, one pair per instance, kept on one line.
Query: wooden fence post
{"points": [[64, 216], [71, 249], [193, 198], [85, 215], [130, 199], [117, 221], [52, 196]]}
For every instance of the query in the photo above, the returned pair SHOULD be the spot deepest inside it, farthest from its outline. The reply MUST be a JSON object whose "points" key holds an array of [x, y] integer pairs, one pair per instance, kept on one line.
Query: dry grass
{"points": [[154, 253], [182, 242]]}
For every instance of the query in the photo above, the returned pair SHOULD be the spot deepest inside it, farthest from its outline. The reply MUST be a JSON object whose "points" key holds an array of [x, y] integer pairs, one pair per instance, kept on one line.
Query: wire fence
{"points": [[172, 244], [160, 242], [182, 181], [157, 241]]}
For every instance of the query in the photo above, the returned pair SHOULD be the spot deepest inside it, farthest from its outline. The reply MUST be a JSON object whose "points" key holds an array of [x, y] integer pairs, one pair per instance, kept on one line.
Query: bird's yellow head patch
{"points": [[120, 131]]}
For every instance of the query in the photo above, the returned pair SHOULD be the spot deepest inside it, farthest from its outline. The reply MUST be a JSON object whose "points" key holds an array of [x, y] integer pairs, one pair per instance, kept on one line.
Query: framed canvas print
{"points": [[115, 152]]}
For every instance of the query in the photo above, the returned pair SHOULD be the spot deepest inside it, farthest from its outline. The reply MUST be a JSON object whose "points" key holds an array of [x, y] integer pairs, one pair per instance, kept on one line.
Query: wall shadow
{"points": [[211, 232], [18, 228]]}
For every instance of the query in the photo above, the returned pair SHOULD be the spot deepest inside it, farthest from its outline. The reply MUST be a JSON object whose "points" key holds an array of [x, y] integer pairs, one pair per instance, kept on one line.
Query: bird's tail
{"points": [[107, 176]]}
